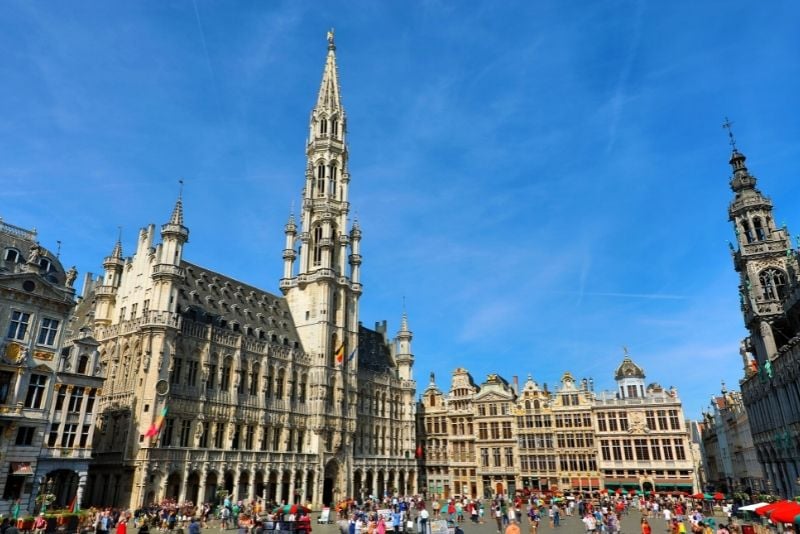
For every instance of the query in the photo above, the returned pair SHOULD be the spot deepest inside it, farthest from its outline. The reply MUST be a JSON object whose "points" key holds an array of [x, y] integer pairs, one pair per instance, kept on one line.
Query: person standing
{"points": [[533, 517], [423, 521]]}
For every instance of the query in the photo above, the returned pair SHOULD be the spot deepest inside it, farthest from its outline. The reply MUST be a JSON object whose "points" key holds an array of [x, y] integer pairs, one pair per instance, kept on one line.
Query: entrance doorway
{"points": [[329, 485]]}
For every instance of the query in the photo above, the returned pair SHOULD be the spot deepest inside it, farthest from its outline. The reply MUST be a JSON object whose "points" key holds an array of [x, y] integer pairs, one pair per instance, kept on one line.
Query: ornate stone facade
{"points": [[500, 438], [48, 378], [250, 394], [769, 293]]}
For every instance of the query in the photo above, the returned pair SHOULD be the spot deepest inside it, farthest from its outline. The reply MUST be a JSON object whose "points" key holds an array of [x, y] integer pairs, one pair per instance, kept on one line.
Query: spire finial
{"points": [[625, 351], [331, 44], [117, 251], [180, 189], [177, 211], [728, 126]]}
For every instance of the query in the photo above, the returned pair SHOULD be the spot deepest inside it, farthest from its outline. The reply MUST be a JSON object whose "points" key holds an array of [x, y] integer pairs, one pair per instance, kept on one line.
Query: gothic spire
{"points": [[177, 212], [329, 88], [117, 252]]}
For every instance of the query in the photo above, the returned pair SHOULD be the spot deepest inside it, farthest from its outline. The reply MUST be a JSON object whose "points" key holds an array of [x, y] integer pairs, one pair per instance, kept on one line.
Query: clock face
{"points": [[162, 387]]}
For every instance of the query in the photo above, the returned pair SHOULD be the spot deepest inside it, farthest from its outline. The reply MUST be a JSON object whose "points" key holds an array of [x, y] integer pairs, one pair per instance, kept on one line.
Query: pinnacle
{"points": [[329, 97], [117, 252], [177, 213]]}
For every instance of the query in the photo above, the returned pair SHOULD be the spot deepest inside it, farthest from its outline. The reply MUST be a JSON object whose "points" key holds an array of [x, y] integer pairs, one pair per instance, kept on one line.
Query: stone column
{"points": [[81, 487], [252, 493], [292, 476], [304, 487], [201, 490], [279, 486], [184, 483], [375, 490]]}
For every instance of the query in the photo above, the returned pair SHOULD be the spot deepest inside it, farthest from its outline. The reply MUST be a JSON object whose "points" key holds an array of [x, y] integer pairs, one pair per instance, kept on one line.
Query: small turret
{"points": [[403, 356], [630, 378], [106, 294], [167, 273], [289, 253]]}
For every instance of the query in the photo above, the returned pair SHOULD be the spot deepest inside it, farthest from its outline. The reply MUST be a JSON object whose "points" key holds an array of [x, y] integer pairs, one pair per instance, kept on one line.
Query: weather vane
{"points": [[727, 125], [180, 188]]}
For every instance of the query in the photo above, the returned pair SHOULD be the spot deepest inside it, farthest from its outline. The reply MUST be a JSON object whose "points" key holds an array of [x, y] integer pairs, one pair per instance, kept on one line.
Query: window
{"points": [[651, 419], [773, 284], [496, 456], [85, 435], [90, 400], [52, 439], [623, 421], [612, 422], [175, 374], [662, 420], [627, 449], [482, 410], [219, 436], [186, 432], [5, 385], [204, 435], [495, 428], [655, 450], [615, 448], [509, 457], [680, 453], [36, 391], [83, 364], [25, 435], [225, 379], [506, 429], [133, 311], [166, 432], [212, 375], [47, 332], [674, 421], [667, 447], [191, 373], [11, 255], [641, 449], [601, 422], [68, 437], [251, 432], [61, 395], [18, 326], [761, 235], [75, 400], [605, 450], [483, 431]]}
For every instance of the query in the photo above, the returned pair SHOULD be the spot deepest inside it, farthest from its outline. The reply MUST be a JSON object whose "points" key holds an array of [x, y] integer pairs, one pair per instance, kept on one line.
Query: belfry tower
{"points": [[765, 261], [321, 278]]}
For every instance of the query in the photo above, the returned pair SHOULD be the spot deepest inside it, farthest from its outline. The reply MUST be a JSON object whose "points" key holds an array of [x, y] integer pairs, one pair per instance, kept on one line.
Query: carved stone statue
{"points": [[34, 254], [72, 274], [198, 433]]}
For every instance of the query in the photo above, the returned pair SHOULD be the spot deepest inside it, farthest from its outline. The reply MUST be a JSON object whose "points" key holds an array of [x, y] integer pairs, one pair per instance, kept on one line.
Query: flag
{"points": [[352, 354], [72, 504], [418, 453], [155, 428], [340, 353]]}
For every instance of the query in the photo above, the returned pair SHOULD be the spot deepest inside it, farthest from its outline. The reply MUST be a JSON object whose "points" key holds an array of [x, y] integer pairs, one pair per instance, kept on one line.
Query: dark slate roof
{"points": [[21, 240], [373, 351], [207, 296]]}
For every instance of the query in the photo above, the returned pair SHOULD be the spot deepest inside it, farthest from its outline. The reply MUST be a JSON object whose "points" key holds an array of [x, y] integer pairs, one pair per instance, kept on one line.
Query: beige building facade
{"points": [[571, 439], [215, 387]]}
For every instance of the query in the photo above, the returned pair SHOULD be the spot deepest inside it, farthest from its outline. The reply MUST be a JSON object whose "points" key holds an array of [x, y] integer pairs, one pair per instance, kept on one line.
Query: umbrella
{"points": [[719, 496], [752, 507], [697, 496], [768, 508], [785, 512], [619, 491], [708, 496]]}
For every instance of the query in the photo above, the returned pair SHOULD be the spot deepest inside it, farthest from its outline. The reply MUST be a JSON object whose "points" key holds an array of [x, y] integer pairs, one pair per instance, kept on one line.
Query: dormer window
{"points": [[11, 254], [46, 265]]}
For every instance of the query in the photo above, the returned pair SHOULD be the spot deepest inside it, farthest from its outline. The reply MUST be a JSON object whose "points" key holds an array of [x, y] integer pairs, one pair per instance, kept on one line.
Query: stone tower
{"points": [[323, 289], [764, 260]]}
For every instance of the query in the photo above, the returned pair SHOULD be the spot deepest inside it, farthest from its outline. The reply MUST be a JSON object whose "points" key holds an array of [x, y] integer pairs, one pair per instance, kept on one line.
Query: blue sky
{"points": [[544, 182]]}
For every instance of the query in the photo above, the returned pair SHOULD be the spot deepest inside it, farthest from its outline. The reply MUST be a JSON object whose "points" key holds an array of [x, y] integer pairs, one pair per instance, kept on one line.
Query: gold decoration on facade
{"points": [[43, 355]]}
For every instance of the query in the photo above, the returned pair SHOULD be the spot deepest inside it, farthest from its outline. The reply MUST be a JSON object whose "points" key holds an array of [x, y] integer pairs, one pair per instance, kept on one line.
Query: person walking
{"points": [[423, 521]]}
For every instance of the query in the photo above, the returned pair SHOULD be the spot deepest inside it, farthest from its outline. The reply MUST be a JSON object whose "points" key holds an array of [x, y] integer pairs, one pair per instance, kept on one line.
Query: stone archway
{"points": [[211, 487], [369, 483], [272, 486], [401, 482], [357, 483], [381, 484], [228, 483], [173, 489], [260, 485], [330, 486], [193, 487], [63, 485]]}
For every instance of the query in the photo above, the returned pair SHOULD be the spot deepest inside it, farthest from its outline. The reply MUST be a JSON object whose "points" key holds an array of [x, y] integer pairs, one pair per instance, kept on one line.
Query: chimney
{"points": [[516, 384]]}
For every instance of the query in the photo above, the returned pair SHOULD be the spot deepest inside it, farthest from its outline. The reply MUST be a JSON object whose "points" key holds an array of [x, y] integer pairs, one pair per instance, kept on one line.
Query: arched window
{"points": [[527, 405], [225, 379], [761, 234], [773, 284], [323, 126], [255, 372], [748, 234], [320, 180], [317, 259], [335, 127], [279, 383], [332, 171], [536, 405]]}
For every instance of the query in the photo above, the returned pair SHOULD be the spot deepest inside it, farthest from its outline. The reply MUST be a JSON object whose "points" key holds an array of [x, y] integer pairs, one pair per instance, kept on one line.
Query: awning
{"points": [[21, 468]]}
